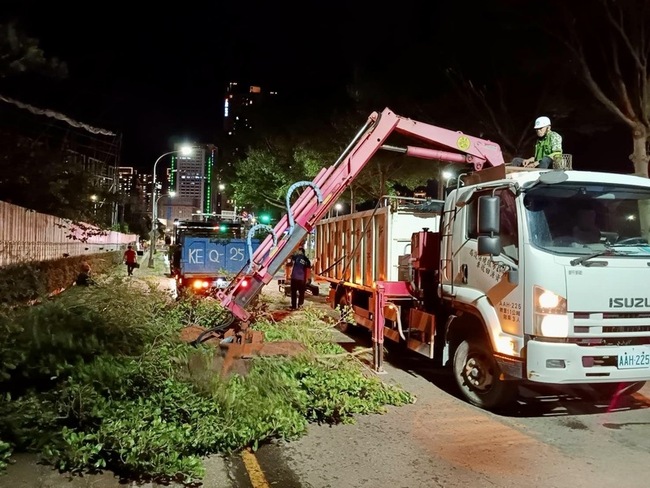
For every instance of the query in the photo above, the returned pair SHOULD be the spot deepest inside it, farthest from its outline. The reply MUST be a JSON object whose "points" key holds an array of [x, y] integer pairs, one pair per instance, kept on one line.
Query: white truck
{"points": [[534, 275], [538, 275]]}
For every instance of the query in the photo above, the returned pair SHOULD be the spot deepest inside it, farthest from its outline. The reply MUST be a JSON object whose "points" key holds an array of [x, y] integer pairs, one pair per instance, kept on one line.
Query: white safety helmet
{"points": [[542, 122]]}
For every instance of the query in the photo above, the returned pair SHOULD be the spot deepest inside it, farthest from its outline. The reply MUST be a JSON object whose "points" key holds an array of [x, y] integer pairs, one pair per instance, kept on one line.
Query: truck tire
{"points": [[344, 326], [180, 293], [477, 375], [315, 291]]}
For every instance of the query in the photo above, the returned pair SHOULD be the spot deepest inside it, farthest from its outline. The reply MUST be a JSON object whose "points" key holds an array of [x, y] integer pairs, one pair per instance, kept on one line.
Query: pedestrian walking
{"points": [[130, 258]]}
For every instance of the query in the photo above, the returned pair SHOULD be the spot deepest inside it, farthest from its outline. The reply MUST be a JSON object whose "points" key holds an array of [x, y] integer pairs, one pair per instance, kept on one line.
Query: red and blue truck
{"points": [[206, 255]]}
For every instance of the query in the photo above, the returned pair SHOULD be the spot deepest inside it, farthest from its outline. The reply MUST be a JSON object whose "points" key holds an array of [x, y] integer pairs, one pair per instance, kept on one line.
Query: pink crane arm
{"points": [[331, 182]]}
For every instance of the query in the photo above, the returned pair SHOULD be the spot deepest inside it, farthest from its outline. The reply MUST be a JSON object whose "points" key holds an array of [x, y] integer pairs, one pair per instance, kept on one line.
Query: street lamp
{"points": [[443, 179], [185, 151], [221, 187], [171, 194], [94, 199]]}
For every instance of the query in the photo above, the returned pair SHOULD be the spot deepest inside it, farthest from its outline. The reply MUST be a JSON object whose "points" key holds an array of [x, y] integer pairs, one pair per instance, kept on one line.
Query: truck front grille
{"points": [[610, 324]]}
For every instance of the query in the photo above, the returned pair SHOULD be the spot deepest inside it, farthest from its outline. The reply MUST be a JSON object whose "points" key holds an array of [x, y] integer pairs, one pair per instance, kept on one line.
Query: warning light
{"points": [[244, 283]]}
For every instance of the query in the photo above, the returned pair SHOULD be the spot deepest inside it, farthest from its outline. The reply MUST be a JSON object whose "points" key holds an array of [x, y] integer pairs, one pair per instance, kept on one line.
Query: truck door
{"points": [[478, 276]]}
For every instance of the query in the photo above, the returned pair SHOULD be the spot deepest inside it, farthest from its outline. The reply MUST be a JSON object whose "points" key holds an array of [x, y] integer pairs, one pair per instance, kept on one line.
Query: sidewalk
{"points": [[158, 275]]}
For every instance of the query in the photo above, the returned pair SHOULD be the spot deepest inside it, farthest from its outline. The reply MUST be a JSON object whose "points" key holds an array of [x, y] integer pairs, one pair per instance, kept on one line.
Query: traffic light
{"points": [[265, 218], [228, 230]]}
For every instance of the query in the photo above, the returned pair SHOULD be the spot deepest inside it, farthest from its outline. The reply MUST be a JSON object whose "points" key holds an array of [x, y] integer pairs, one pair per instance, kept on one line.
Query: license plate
{"points": [[634, 357]]}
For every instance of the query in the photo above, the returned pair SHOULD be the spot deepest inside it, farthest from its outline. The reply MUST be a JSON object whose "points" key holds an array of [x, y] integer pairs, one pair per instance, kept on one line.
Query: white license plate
{"points": [[634, 357]]}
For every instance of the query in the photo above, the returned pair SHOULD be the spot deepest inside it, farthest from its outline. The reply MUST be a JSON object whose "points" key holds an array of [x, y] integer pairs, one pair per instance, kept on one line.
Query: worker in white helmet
{"points": [[547, 148]]}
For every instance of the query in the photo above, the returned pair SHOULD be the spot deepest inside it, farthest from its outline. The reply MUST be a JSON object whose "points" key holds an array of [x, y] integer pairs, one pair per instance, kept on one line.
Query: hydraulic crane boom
{"points": [[331, 182]]}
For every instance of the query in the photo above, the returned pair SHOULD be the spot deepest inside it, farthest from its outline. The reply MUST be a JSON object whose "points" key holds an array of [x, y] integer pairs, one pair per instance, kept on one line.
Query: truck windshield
{"points": [[583, 218], [214, 230]]}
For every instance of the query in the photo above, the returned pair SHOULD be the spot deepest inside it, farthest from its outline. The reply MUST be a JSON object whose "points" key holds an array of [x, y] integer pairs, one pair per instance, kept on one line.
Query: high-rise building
{"points": [[144, 182], [243, 109], [127, 183], [240, 104], [191, 178]]}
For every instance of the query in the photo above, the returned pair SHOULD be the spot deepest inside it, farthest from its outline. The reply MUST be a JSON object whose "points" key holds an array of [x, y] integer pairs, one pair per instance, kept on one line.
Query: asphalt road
{"points": [[549, 439]]}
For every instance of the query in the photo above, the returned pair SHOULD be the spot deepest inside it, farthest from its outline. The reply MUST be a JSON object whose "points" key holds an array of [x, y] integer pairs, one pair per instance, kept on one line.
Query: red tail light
{"points": [[244, 283], [198, 284]]}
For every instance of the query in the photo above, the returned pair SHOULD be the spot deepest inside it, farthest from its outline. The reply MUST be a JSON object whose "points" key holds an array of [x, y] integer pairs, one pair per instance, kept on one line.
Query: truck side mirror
{"points": [[489, 245], [488, 215], [488, 223]]}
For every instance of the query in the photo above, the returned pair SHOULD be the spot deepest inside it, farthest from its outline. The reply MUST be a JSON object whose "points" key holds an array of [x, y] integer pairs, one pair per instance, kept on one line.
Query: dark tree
{"points": [[20, 53], [610, 48]]}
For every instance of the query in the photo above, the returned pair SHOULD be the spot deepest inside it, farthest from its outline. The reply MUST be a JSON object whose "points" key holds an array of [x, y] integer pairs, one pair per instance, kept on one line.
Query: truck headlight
{"points": [[550, 318]]}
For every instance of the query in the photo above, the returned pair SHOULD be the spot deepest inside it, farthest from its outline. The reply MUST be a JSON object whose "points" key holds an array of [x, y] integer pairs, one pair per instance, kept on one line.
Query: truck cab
{"points": [[549, 267]]}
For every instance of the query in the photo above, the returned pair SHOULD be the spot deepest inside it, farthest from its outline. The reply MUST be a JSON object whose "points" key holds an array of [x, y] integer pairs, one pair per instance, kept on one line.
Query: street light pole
{"points": [[444, 176], [154, 217], [171, 194]]}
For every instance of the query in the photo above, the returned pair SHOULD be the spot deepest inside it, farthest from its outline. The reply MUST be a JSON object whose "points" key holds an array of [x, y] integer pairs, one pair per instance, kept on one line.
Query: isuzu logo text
{"points": [[629, 302]]}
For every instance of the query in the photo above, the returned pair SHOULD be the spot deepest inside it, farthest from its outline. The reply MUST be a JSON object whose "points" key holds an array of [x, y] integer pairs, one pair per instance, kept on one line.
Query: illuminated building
{"points": [[191, 178]]}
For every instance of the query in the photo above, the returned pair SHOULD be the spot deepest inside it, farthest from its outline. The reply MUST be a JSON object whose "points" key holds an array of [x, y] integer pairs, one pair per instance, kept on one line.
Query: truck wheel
{"points": [[477, 376], [313, 289], [344, 324], [181, 292]]}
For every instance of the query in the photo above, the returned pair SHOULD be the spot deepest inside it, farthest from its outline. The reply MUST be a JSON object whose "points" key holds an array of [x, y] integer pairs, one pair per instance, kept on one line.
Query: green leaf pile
{"points": [[98, 378]]}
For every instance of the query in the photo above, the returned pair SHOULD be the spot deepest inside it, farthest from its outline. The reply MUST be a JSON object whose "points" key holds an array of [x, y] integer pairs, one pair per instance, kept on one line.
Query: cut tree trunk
{"points": [[640, 158]]}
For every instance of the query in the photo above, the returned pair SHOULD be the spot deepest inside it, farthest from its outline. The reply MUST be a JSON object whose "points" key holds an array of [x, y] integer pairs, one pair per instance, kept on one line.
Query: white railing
{"points": [[26, 235]]}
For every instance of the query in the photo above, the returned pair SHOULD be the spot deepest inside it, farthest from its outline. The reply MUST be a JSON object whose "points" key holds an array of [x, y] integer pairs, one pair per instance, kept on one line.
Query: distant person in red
{"points": [[130, 259]]}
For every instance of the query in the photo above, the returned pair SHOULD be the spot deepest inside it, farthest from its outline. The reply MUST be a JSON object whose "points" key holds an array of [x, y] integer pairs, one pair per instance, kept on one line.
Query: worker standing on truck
{"points": [[299, 276], [548, 147]]}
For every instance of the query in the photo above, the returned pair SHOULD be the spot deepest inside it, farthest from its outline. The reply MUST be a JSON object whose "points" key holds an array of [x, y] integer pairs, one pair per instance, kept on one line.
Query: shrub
{"points": [[98, 378]]}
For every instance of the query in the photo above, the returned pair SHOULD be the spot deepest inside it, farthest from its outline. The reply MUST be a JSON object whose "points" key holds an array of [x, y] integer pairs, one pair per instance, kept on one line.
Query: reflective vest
{"points": [[550, 145]]}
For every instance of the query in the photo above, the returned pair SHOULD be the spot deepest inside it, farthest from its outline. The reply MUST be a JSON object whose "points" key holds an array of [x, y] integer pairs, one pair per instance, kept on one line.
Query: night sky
{"points": [[158, 75]]}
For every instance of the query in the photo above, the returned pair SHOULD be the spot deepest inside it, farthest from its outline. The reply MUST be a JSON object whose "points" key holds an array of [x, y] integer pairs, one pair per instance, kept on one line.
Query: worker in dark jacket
{"points": [[300, 274], [83, 278]]}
